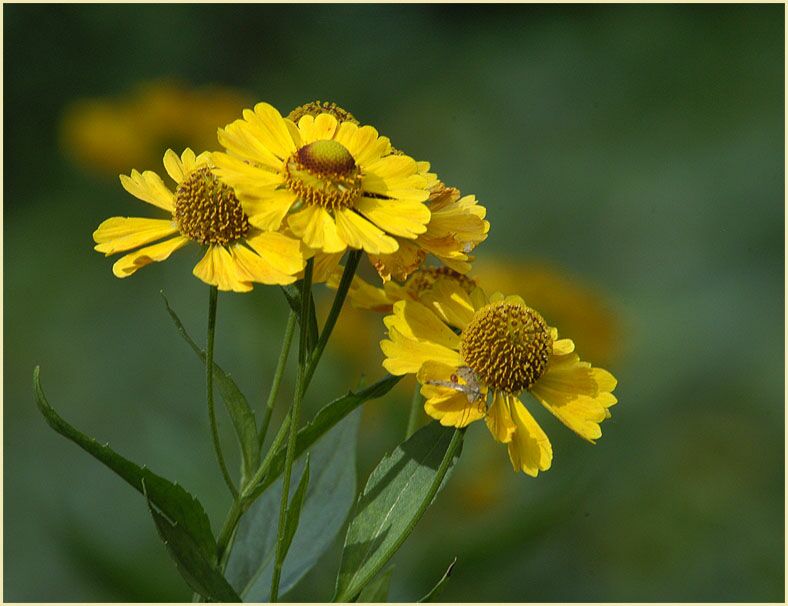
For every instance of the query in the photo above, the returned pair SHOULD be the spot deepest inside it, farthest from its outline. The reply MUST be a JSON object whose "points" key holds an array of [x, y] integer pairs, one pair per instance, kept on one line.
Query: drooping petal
{"points": [[118, 234], [499, 419], [268, 209], [448, 398], [317, 228], [361, 234], [417, 321], [128, 264], [529, 450], [450, 302], [404, 355], [257, 267], [219, 268], [399, 217], [283, 253]]}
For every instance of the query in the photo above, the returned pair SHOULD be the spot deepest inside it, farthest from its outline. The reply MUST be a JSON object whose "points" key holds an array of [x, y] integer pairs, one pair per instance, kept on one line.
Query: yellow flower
{"points": [[468, 350], [204, 210], [336, 184], [457, 225], [105, 134]]}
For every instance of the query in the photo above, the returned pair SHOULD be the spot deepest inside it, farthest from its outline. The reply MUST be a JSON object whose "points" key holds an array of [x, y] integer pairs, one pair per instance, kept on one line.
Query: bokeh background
{"points": [[631, 158]]}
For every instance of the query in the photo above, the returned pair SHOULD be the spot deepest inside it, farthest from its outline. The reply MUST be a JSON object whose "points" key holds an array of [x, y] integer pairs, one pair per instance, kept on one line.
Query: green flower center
{"points": [[207, 211], [324, 173], [507, 346]]}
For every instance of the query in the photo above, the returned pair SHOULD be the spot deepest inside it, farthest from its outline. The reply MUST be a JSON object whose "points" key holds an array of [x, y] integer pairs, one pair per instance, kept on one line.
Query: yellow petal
{"points": [[280, 251], [450, 302], [362, 142], [257, 267], [173, 165], [448, 398], [404, 355], [529, 450], [148, 187], [268, 210], [124, 233], [128, 264], [275, 134], [417, 321], [322, 126], [361, 234], [317, 229], [499, 419], [219, 268], [398, 217], [325, 267], [249, 143], [401, 263]]}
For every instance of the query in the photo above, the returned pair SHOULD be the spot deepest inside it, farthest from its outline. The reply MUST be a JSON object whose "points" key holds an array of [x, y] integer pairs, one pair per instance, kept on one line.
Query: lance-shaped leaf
{"points": [[398, 492], [327, 501], [326, 418], [198, 570], [171, 499], [435, 591], [378, 589], [237, 406], [293, 513]]}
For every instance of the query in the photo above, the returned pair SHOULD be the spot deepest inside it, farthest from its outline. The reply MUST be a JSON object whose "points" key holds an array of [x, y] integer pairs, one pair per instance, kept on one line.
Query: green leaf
{"points": [[171, 499], [435, 591], [378, 589], [237, 406], [398, 492], [326, 418], [198, 570], [293, 513], [293, 295], [327, 501]]}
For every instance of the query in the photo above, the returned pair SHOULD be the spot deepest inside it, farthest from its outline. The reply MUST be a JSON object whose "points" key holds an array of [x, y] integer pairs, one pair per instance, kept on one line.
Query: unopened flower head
{"points": [[205, 210], [474, 356], [332, 183]]}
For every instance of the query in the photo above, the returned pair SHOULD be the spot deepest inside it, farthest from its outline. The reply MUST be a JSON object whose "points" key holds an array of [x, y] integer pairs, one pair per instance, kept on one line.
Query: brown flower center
{"points": [[507, 346], [425, 277], [206, 210], [315, 108], [324, 173]]}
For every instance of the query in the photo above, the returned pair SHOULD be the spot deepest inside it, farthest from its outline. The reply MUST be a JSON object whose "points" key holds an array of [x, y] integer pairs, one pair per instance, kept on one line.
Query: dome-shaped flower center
{"points": [[507, 346], [206, 210], [315, 108], [425, 277], [324, 173]]}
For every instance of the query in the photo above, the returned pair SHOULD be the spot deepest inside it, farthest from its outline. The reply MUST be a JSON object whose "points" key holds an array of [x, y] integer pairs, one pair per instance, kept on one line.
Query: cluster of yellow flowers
{"points": [[317, 183]]}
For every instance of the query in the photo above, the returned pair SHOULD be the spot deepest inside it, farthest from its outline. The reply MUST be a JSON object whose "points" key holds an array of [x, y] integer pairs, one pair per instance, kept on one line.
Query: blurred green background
{"points": [[636, 150]]}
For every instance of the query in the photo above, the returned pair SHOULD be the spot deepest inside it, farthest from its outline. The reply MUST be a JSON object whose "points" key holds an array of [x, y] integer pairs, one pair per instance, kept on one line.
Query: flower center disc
{"points": [[507, 346], [315, 108], [425, 278], [206, 210], [324, 173]]}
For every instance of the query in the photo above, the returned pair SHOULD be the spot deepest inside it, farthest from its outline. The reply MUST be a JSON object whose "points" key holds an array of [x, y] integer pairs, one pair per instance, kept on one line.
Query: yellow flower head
{"points": [[474, 356], [204, 210], [457, 225], [335, 183]]}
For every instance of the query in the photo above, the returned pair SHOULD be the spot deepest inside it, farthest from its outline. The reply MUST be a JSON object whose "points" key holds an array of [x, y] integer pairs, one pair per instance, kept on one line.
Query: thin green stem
{"points": [[278, 374], [209, 388], [306, 293], [415, 411], [227, 532], [344, 285]]}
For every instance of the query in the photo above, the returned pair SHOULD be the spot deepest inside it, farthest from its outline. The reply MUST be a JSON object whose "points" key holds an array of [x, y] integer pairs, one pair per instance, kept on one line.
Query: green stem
{"points": [[415, 411], [344, 285], [209, 388], [226, 534], [306, 293], [278, 374]]}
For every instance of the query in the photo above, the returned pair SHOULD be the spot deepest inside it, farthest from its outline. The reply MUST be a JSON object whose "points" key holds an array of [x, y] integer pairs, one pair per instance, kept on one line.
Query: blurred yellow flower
{"points": [[204, 210], [467, 350], [106, 135], [336, 184]]}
